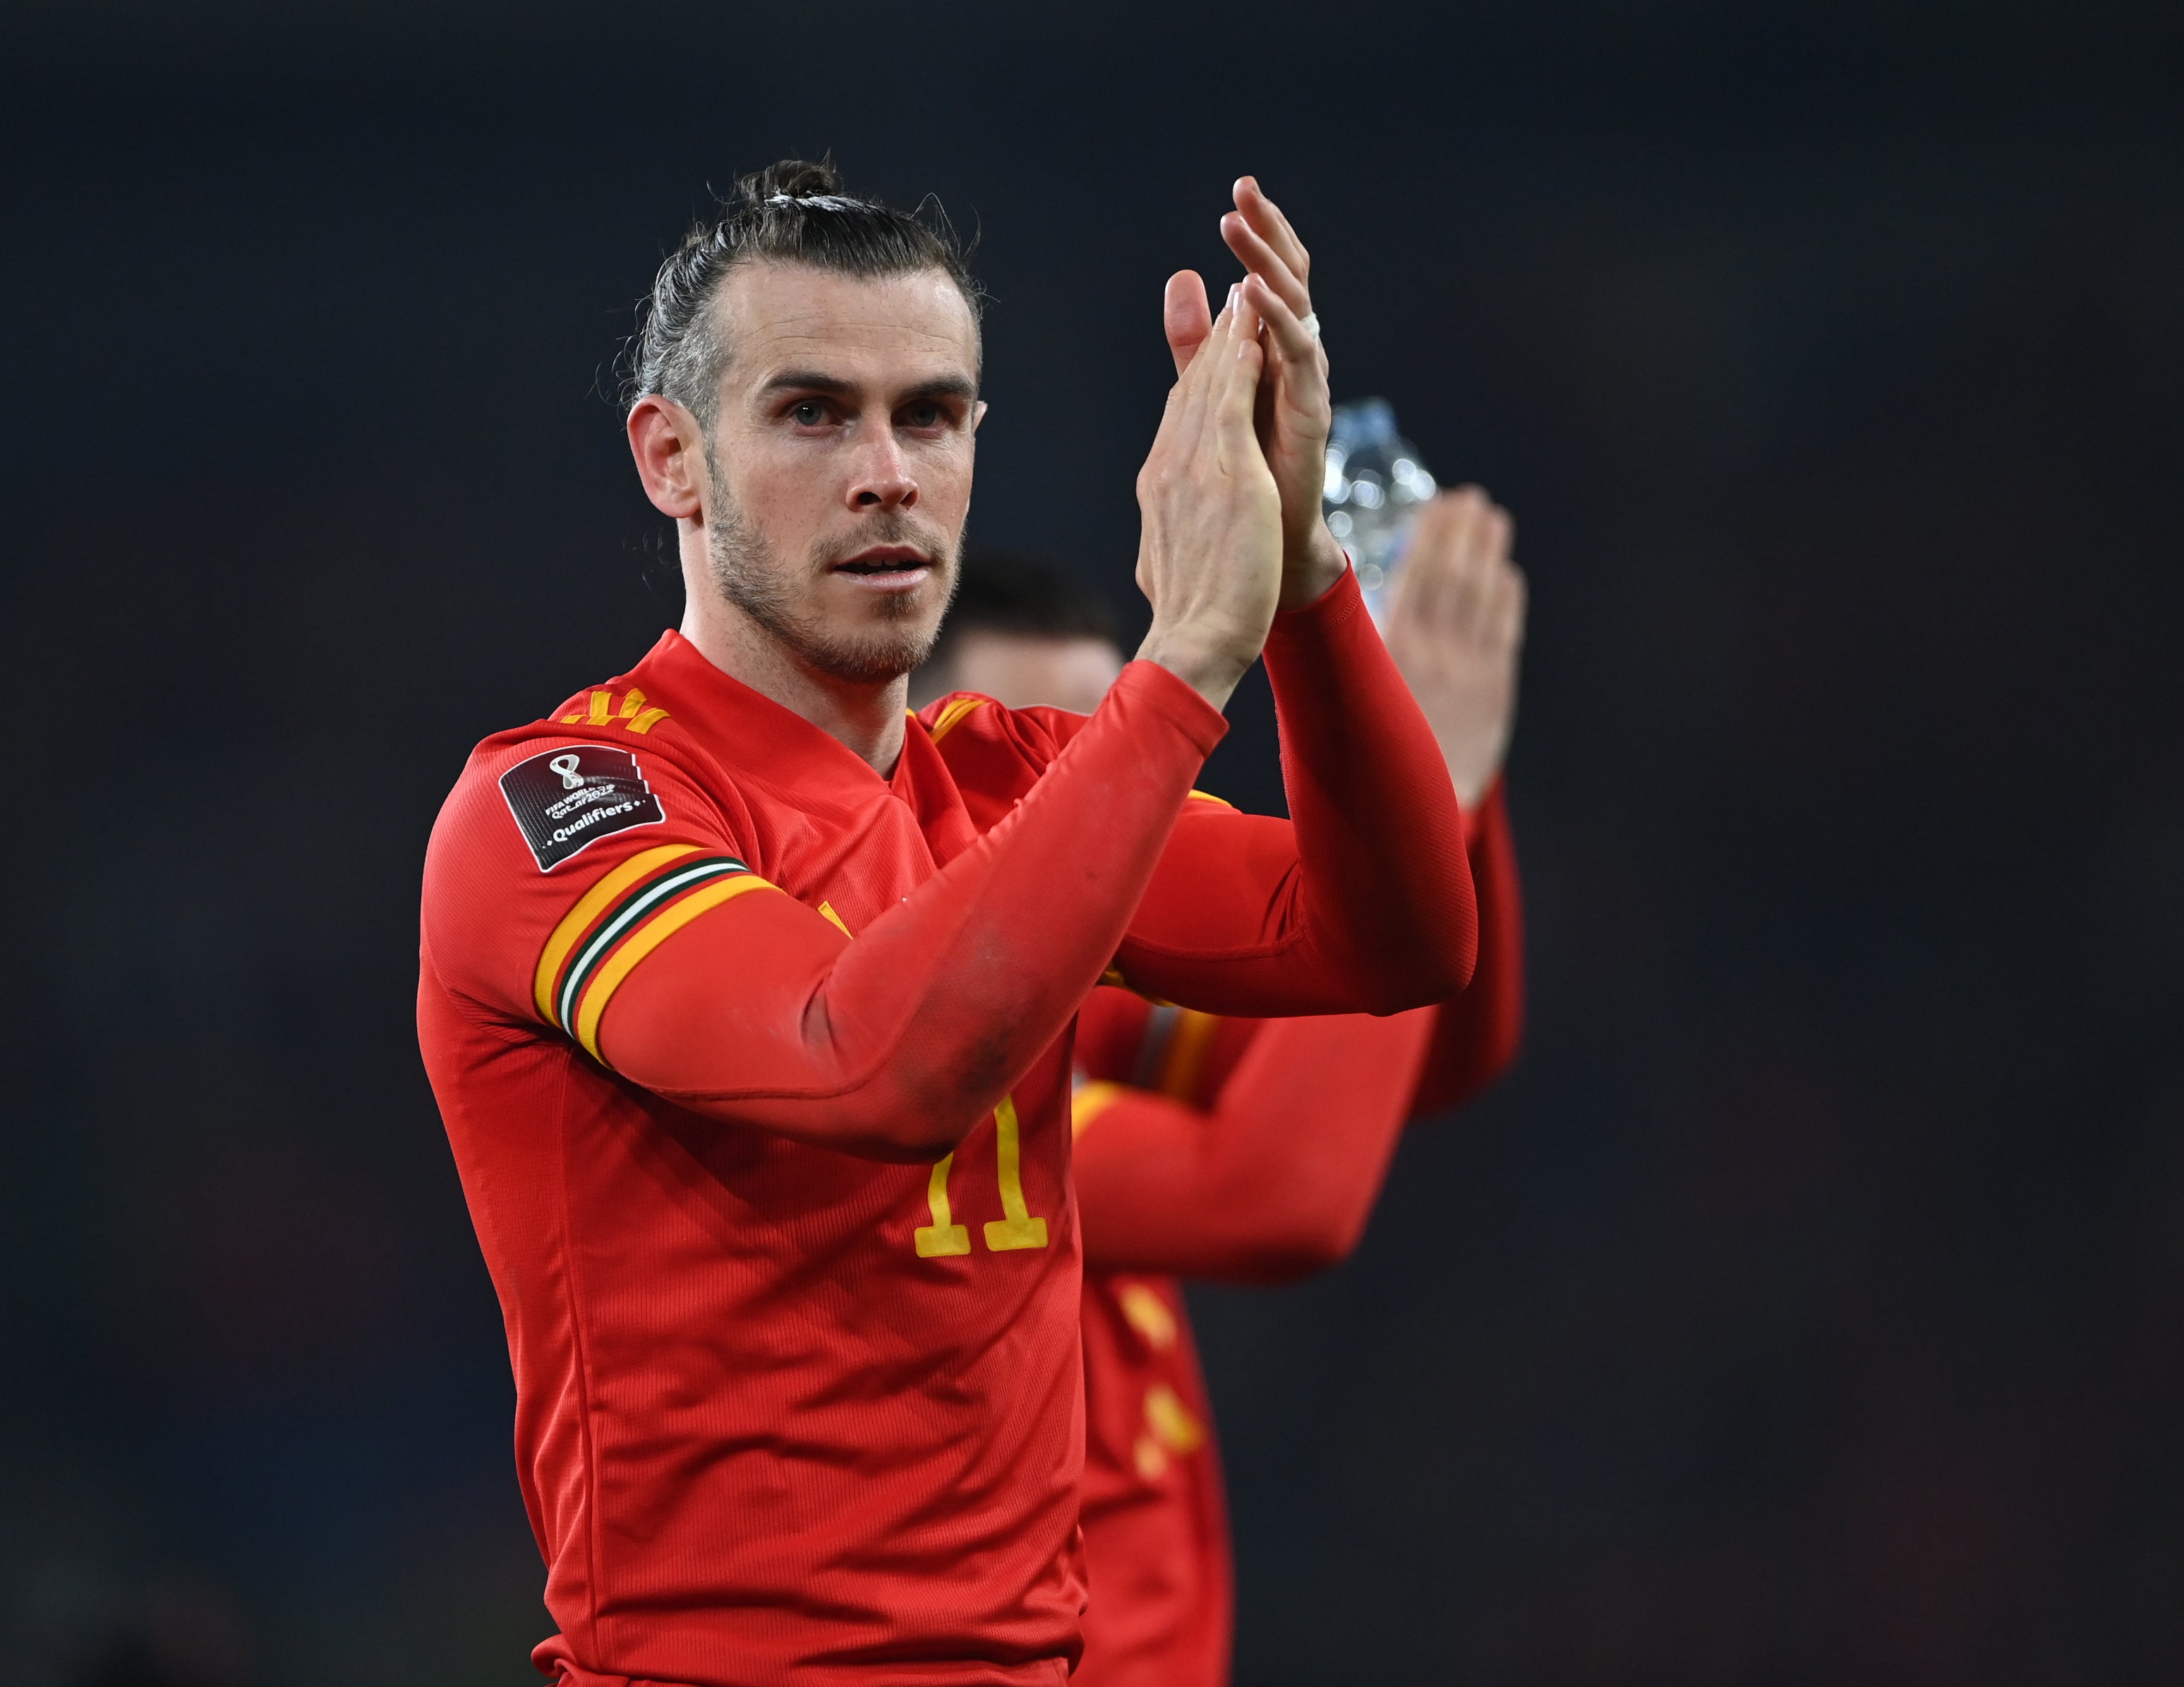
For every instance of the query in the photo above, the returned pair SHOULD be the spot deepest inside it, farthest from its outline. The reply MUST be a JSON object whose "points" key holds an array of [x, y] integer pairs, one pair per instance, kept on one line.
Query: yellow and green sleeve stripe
{"points": [[618, 921]]}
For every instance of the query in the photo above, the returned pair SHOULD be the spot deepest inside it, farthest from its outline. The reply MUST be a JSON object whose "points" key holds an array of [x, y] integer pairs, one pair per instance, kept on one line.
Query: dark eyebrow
{"points": [[810, 380], [943, 386]]}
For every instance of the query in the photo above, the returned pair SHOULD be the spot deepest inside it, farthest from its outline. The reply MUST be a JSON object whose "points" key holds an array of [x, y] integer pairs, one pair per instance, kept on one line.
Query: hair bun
{"points": [[795, 178], [793, 212]]}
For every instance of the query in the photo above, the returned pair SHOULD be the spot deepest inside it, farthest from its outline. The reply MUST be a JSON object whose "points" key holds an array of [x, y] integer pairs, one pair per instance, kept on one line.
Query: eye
{"points": [[924, 413], [808, 413]]}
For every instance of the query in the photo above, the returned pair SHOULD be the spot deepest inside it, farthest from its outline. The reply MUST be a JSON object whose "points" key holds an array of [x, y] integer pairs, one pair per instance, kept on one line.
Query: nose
{"points": [[882, 480]]}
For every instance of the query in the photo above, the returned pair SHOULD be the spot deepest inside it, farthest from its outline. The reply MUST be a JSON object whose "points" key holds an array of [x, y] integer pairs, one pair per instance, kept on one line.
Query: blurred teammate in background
{"points": [[747, 998], [1234, 1149]]}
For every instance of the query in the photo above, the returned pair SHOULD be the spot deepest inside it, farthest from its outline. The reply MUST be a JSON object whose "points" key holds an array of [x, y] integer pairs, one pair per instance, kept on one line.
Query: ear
{"points": [[978, 415], [1186, 316], [669, 452]]}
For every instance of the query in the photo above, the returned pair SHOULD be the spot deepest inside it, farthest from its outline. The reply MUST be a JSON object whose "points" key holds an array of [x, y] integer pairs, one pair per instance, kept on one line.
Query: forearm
{"points": [[1275, 1181], [1385, 889], [894, 1045], [1476, 1036], [1362, 900]]}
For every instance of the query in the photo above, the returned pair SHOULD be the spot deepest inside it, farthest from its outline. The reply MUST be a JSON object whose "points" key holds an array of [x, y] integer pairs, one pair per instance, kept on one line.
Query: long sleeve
{"points": [[1476, 1036], [1276, 1178], [1362, 901], [753, 1009], [1277, 1175]]}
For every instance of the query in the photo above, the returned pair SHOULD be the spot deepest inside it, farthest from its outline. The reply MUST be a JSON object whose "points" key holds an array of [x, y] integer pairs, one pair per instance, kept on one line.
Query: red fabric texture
{"points": [[1156, 1523], [1370, 803], [1268, 1178], [1242, 1150], [897, 1044], [794, 1401], [1477, 1035]]}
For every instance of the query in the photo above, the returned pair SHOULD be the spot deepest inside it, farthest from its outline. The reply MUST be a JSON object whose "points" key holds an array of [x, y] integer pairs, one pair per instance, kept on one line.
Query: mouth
{"points": [[886, 566]]}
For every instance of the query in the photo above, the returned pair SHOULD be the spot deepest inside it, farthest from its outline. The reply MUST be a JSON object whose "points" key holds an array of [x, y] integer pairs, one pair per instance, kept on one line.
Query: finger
{"points": [[1178, 424], [1421, 584], [1485, 566], [1186, 316], [1457, 584], [1472, 527], [1403, 608], [1236, 402], [1471, 575], [1248, 319], [1505, 579], [1250, 326], [1501, 617], [1293, 342], [1254, 254], [1266, 217], [1506, 538], [1234, 386], [1493, 532], [1509, 630], [1447, 588], [1202, 380]]}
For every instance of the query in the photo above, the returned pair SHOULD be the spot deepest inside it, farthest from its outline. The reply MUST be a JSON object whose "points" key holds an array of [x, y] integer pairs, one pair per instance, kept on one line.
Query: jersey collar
{"points": [[745, 729]]}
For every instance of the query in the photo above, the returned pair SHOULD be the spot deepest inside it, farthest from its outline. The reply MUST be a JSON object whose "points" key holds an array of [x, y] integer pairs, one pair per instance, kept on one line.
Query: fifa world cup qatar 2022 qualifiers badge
{"points": [[565, 800]]}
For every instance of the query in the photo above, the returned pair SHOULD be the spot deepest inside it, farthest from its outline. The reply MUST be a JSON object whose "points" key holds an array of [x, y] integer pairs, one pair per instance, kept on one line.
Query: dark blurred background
{"points": [[1807, 1306]]}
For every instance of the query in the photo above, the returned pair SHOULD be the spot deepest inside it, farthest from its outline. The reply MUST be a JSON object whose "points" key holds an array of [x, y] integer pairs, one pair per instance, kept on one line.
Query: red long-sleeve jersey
{"points": [[1245, 1150], [781, 1217]]}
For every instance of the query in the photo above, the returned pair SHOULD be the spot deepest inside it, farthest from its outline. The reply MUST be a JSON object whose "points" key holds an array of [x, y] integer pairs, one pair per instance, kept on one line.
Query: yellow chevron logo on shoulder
{"points": [[952, 716], [1208, 797], [607, 710]]}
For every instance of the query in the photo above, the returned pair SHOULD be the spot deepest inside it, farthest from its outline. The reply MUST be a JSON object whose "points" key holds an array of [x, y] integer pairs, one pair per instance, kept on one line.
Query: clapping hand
{"points": [[1210, 551], [1456, 627], [1293, 411]]}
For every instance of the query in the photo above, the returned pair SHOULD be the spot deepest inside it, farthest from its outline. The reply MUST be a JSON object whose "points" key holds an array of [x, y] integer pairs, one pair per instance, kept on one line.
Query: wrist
{"points": [[1204, 664], [1313, 567]]}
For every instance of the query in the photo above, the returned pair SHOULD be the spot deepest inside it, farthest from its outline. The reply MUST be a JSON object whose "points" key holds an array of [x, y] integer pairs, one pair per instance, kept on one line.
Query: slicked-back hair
{"points": [[793, 212]]}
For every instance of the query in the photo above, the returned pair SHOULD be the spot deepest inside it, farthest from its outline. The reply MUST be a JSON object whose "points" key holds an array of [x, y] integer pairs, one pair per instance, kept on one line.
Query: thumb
{"points": [[1186, 316]]}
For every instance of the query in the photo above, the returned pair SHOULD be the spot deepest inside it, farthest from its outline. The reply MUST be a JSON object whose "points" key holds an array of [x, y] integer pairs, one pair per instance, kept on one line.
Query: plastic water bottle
{"points": [[1375, 486]]}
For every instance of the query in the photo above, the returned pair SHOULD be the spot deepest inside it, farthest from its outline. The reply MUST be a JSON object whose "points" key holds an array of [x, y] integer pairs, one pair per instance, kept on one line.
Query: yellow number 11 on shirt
{"points": [[1016, 1227]]}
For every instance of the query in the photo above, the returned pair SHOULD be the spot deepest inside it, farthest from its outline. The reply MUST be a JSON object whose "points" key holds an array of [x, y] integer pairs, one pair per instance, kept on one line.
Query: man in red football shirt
{"points": [[1242, 1149], [746, 996]]}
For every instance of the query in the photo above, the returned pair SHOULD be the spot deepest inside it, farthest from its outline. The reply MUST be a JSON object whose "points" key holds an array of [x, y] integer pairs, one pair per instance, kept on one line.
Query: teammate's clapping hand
{"points": [[1294, 411], [1456, 626], [1210, 553]]}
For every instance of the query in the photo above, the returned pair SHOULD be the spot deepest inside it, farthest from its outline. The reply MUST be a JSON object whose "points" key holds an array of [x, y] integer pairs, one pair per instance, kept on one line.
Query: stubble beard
{"points": [[748, 572]]}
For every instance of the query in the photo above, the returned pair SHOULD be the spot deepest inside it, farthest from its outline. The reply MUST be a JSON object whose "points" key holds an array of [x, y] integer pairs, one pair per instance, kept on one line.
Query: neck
{"points": [[867, 718]]}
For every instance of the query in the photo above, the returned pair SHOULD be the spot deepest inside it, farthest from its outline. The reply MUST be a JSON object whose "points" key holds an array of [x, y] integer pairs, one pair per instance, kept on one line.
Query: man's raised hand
{"points": [[1293, 411], [1210, 553], [1456, 627]]}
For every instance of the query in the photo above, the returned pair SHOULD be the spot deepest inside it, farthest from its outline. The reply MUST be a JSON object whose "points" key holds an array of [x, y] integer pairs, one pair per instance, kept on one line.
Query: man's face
{"points": [[1024, 670], [840, 460]]}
